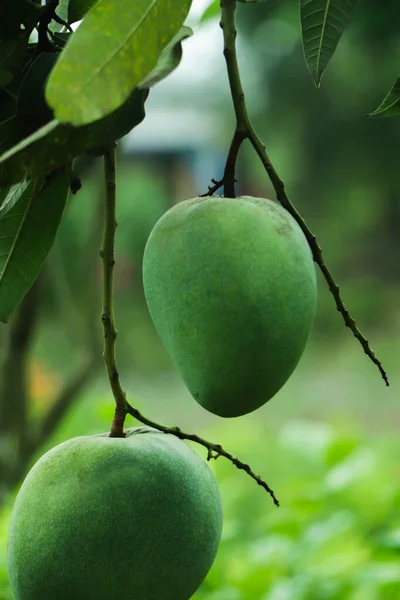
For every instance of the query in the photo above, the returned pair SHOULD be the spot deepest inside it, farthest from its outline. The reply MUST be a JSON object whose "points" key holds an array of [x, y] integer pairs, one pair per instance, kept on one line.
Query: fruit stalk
{"points": [[245, 130], [107, 317], [123, 407]]}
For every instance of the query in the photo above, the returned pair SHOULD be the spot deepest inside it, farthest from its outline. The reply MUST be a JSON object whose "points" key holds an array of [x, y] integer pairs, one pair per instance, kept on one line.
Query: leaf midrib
{"points": [[120, 47], [17, 237], [322, 36]]}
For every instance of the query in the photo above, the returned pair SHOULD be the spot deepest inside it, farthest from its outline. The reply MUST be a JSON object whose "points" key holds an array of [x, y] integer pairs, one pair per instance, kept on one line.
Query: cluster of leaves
{"points": [[322, 25], [336, 535], [64, 93]]}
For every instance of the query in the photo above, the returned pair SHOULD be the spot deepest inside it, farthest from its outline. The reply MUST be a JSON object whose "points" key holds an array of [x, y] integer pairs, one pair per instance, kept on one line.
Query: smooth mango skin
{"points": [[231, 287], [101, 518]]}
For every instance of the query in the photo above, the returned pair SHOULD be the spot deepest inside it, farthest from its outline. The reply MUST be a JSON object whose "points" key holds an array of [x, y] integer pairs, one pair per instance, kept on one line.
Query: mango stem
{"points": [[245, 130]]}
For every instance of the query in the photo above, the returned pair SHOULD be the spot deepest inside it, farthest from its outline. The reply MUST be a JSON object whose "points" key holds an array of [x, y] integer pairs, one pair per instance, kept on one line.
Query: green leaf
{"points": [[169, 58], [322, 25], [8, 105], [27, 233], [77, 9], [55, 144], [12, 58], [10, 195], [113, 50], [390, 106], [8, 132], [214, 10], [62, 12], [32, 110]]}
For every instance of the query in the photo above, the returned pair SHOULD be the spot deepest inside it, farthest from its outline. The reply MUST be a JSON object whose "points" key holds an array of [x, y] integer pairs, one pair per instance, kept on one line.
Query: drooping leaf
{"points": [[55, 144], [10, 195], [27, 232], [322, 25], [77, 9], [114, 49], [169, 58], [390, 105]]}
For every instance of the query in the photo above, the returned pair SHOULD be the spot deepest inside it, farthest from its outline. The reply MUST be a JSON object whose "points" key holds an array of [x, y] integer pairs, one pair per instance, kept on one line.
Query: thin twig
{"points": [[110, 333], [247, 131], [107, 255], [61, 21], [214, 450]]}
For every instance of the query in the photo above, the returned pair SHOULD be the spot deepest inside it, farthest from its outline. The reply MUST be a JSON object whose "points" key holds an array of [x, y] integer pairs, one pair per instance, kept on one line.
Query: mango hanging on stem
{"points": [[231, 286]]}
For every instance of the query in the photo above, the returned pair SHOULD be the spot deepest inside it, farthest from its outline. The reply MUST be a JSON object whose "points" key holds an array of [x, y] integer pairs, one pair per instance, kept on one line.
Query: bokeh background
{"points": [[328, 442]]}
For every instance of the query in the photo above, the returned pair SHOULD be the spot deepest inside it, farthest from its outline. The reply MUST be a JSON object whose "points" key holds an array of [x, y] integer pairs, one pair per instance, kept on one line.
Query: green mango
{"points": [[231, 287], [101, 518]]}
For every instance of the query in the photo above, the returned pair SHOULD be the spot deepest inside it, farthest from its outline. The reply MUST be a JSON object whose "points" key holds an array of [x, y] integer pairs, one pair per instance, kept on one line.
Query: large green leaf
{"points": [[169, 58], [322, 25], [390, 106], [27, 233], [114, 49], [55, 144], [77, 9]]}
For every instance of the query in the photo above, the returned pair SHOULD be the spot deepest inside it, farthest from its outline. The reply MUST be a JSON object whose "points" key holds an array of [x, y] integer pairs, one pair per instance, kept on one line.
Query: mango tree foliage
{"points": [[114, 49], [322, 25], [27, 234], [391, 103]]}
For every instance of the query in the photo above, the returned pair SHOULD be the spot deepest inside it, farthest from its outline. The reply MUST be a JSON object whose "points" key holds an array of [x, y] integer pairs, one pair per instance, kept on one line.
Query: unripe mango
{"points": [[101, 518], [231, 287]]}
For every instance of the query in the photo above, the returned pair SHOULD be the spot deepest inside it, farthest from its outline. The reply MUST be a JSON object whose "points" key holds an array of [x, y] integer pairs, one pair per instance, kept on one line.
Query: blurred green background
{"points": [[328, 442]]}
